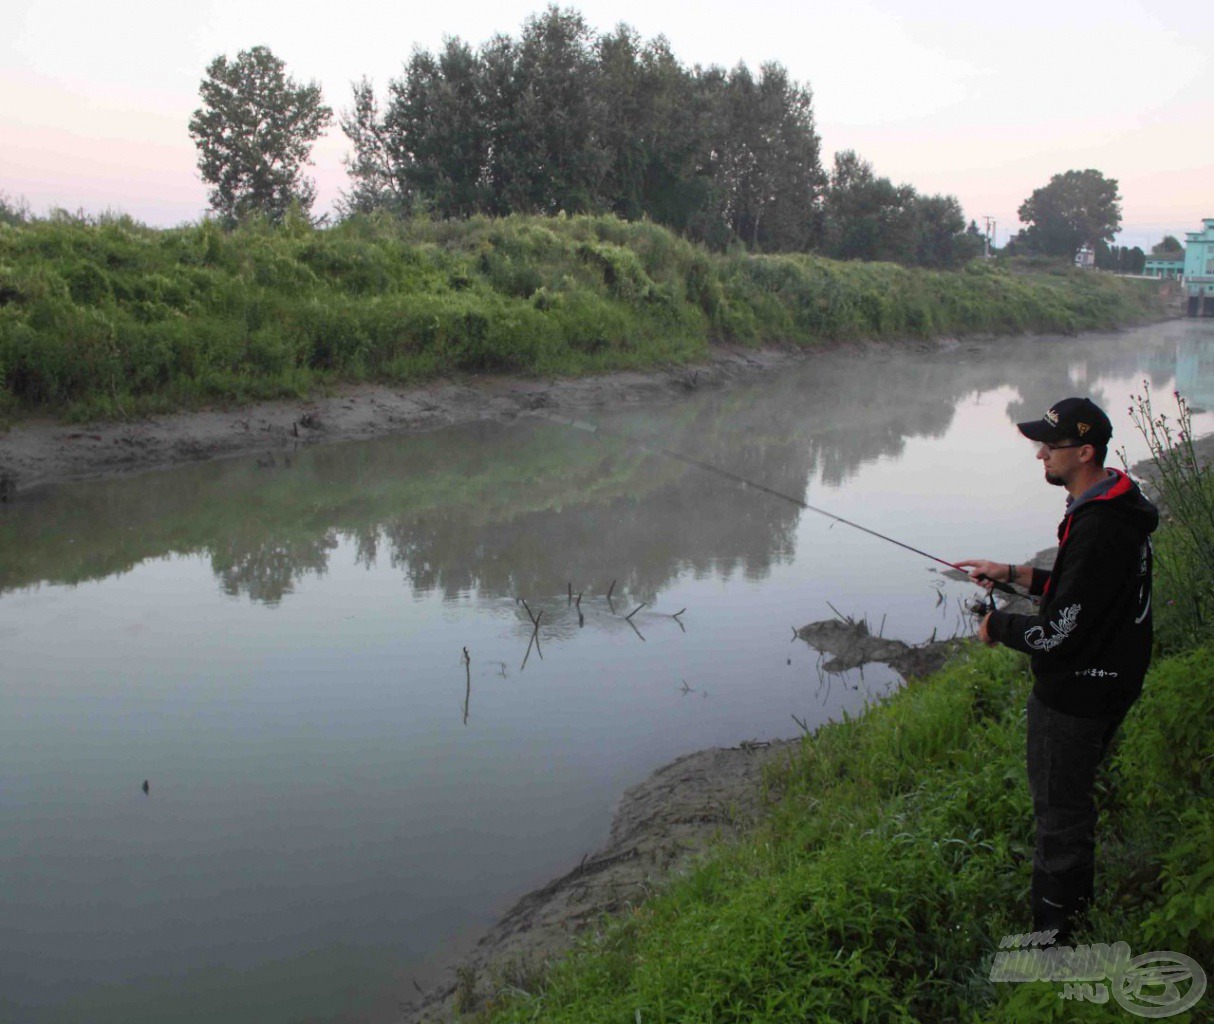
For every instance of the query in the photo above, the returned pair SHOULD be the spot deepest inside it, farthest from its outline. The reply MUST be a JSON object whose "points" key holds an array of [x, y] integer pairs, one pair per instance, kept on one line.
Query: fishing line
{"points": [[708, 467]]}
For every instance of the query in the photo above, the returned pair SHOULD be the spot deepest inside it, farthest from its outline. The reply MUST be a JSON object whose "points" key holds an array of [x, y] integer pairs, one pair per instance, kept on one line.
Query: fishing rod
{"points": [[708, 467]]}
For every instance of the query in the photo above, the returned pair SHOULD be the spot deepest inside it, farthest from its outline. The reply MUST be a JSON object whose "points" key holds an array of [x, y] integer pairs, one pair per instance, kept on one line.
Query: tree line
{"points": [[563, 119]]}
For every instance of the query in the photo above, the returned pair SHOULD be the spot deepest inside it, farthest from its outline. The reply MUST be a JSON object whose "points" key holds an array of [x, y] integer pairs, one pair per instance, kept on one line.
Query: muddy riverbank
{"points": [[36, 453]]}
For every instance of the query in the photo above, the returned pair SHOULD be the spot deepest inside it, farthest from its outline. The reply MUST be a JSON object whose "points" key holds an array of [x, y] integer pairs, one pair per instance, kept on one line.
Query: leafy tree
{"points": [[558, 160], [866, 217], [1168, 246], [371, 167], [14, 211], [941, 237], [254, 133], [871, 218], [768, 171], [1075, 209], [653, 124], [504, 173], [437, 126]]}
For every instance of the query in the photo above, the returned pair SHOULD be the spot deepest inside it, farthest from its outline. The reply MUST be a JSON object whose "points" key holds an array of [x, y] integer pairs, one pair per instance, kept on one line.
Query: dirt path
{"points": [[38, 453]]}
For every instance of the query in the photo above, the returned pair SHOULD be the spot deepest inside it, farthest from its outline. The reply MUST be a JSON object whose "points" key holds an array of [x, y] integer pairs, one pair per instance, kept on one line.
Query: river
{"points": [[334, 795]]}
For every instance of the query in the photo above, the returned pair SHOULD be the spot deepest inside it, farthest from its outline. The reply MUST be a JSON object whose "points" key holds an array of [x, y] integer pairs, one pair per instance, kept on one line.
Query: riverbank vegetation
{"points": [[105, 317], [897, 855]]}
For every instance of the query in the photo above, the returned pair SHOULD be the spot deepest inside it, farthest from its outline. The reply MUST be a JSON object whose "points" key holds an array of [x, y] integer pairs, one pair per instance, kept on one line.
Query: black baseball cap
{"points": [[1078, 418]]}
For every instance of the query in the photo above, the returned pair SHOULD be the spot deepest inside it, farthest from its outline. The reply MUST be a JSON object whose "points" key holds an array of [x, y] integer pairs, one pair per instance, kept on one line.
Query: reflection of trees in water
{"points": [[266, 568], [528, 509], [1042, 382]]}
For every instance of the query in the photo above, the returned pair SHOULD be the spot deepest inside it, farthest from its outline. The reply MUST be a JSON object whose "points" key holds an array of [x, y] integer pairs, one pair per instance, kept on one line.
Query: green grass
{"points": [[110, 318]]}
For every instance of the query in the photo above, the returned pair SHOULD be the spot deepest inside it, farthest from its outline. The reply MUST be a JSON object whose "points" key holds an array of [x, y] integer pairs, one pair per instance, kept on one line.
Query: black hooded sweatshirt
{"points": [[1090, 641]]}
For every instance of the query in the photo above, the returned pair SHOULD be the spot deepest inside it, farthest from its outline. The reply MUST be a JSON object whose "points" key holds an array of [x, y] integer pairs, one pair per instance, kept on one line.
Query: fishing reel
{"points": [[979, 606]]}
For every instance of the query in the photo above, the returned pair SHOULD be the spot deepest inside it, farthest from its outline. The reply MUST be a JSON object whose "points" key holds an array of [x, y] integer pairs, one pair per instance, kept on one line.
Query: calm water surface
{"points": [[278, 651]]}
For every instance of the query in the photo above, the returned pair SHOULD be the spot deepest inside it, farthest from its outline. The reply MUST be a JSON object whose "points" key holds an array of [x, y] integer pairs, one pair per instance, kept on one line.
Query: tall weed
{"points": [[1185, 487]]}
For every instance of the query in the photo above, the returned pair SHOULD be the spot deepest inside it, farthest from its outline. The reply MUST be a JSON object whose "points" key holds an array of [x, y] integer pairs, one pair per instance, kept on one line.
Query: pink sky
{"points": [[981, 101]]}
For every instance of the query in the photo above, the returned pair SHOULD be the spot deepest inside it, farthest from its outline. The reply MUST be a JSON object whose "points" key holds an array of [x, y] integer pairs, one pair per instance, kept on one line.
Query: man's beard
{"points": [[1057, 481]]}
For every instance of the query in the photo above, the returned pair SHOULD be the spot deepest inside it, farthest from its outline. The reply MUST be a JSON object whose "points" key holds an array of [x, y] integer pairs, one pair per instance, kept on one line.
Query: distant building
{"points": [[1086, 258], [1167, 265], [1199, 269]]}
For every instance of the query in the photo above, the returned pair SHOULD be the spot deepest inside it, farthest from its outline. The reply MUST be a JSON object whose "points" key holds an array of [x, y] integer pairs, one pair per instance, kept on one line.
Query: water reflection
{"points": [[524, 510]]}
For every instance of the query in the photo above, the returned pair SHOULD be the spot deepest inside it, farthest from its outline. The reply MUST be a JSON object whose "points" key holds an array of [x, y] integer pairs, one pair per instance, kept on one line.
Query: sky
{"points": [[979, 100]]}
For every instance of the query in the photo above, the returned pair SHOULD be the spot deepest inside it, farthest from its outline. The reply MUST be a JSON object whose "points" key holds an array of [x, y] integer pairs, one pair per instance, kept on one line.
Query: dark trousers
{"points": [[1063, 753]]}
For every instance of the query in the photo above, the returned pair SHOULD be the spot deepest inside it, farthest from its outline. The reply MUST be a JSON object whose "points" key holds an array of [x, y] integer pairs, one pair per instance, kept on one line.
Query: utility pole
{"points": [[990, 233]]}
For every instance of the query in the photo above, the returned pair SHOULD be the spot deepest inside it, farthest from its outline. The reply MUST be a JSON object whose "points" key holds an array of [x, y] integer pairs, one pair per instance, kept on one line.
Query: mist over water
{"points": [[278, 650]]}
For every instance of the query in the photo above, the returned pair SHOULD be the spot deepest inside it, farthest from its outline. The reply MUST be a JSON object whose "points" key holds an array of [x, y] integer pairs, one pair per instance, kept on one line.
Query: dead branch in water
{"points": [[629, 616], [838, 614], [610, 589], [534, 641], [467, 683]]}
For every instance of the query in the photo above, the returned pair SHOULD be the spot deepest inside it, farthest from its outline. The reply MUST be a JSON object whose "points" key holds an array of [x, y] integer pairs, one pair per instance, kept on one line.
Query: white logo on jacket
{"points": [[1063, 626]]}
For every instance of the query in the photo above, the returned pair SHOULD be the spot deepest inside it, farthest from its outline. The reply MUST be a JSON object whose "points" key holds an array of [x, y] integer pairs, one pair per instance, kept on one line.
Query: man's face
{"points": [[1061, 460]]}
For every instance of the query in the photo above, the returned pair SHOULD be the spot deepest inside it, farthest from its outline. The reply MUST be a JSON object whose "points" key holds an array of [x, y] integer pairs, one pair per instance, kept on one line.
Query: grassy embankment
{"points": [[897, 852], [115, 319]]}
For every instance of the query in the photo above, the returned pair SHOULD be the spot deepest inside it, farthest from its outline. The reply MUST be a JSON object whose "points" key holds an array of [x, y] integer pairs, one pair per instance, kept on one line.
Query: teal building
{"points": [[1199, 269], [1169, 266]]}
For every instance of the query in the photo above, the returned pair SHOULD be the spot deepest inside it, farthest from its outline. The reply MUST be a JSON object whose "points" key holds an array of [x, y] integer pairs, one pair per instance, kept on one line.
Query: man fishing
{"points": [[1090, 643]]}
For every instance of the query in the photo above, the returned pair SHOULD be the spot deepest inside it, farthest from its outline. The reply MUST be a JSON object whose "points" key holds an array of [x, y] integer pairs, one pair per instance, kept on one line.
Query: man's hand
{"points": [[984, 572], [984, 634]]}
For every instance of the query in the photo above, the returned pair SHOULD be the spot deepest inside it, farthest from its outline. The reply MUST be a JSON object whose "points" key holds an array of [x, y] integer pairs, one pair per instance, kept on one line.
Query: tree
{"points": [[436, 128], [767, 167], [1075, 209], [558, 113], [941, 237], [1167, 246], [371, 167], [868, 218], [652, 121], [14, 211], [254, 133]]}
